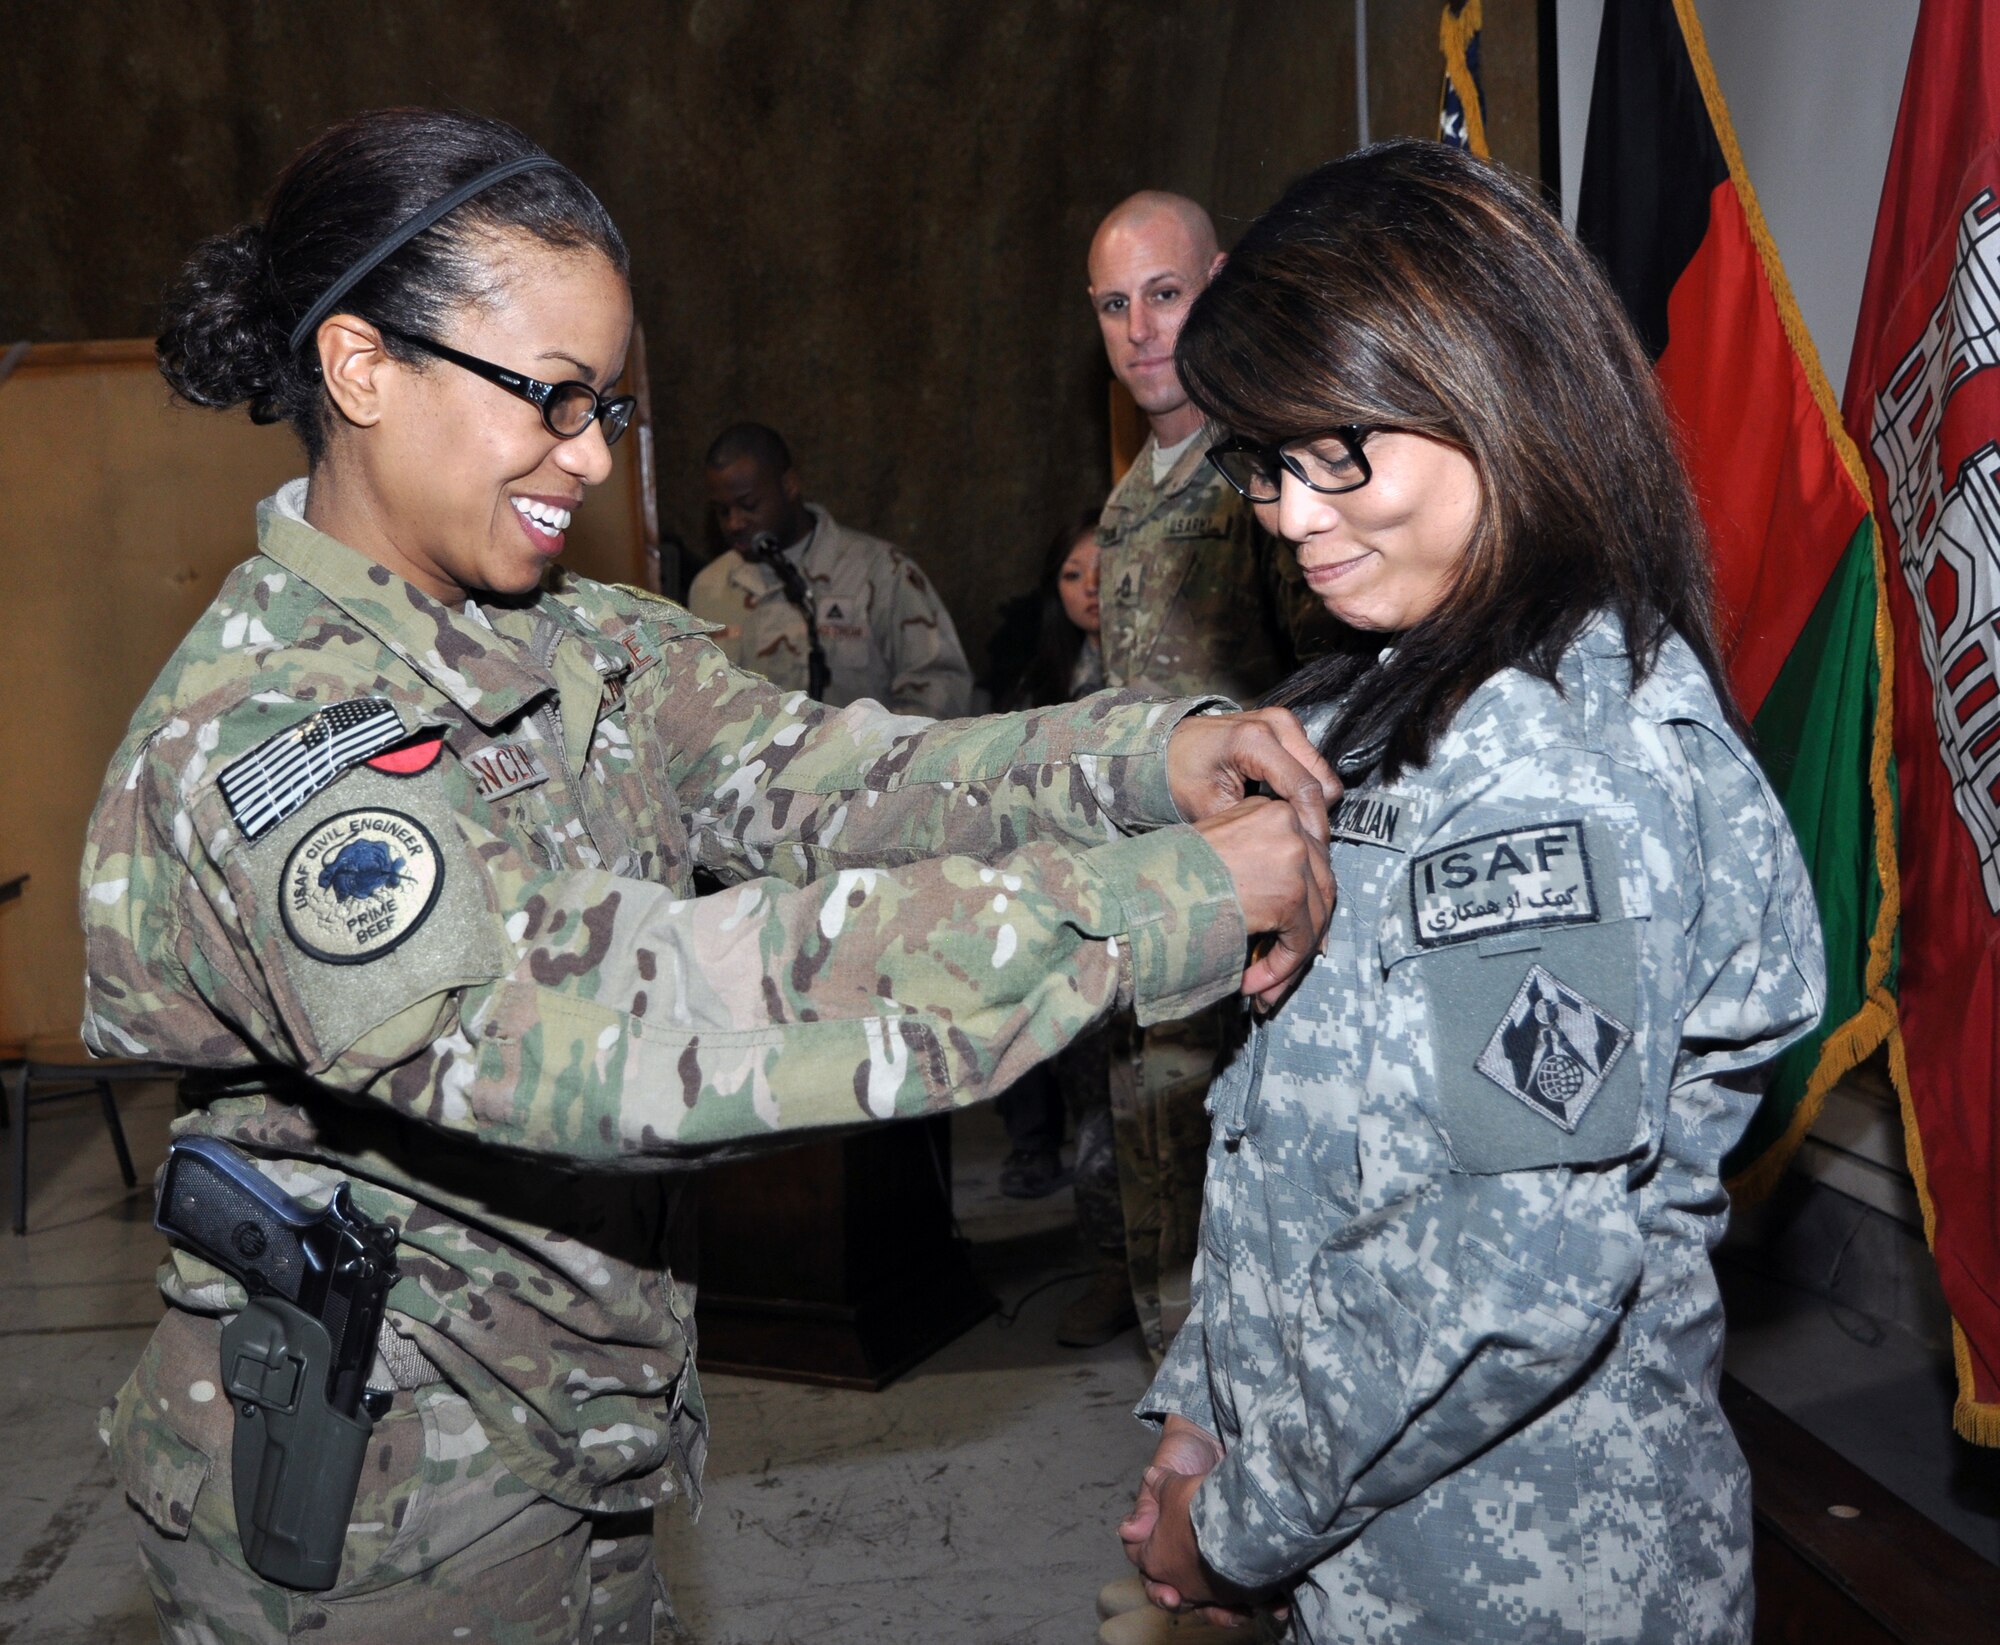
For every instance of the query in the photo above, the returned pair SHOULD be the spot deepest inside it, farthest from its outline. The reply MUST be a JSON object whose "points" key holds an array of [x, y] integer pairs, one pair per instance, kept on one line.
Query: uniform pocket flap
{"points": [[160, 1471]]}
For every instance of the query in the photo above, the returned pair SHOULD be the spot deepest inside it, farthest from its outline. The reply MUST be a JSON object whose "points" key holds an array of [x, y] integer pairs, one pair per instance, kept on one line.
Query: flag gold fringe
{"points": [[1847, 1045], [1455, 34], [1876, 1024], [1767, 251]]}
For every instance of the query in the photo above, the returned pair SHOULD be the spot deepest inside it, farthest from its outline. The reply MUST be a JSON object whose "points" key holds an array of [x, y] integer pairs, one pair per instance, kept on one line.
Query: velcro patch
{"points": [[500, 769], [1517, 879], [266, 785], [359, 884], [1554, 1049], [411, 758], [1366, 817]]}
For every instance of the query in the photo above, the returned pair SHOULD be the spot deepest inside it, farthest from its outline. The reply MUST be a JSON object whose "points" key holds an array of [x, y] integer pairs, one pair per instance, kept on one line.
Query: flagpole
{"points": [[1361, 72]]}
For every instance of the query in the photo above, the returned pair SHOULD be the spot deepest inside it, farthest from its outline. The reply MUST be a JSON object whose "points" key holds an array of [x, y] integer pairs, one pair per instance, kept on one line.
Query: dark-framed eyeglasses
{"points": [[1329, 463], [567, 408]]}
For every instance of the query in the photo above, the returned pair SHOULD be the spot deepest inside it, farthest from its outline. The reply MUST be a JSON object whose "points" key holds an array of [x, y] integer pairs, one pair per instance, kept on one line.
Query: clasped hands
{"points": [[1159, 1533], [1274, 848]]}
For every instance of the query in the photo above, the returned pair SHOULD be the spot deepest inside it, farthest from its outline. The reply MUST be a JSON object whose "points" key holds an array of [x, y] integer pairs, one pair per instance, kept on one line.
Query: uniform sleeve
{"points": [[713, 599], [929, 673], [771, 782], [1575, 945], [382, 942]]}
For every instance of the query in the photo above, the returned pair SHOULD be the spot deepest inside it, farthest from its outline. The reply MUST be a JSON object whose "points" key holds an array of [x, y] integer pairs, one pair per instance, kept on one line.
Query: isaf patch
{"points": [[266, 785], [359, 884], [1554, 1049], [1514, 880]]}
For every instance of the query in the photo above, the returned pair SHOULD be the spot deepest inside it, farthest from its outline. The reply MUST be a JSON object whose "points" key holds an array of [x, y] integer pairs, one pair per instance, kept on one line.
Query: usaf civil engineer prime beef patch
{"points": [[1554, 1049], [358, 884]]}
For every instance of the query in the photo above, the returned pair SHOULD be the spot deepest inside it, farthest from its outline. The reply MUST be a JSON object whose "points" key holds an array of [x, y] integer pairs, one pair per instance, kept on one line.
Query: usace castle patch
{"points": [[359, 884]]}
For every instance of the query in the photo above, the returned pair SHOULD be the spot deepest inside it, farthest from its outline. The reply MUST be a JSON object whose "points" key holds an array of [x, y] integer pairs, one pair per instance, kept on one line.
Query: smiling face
{"points": [[1076, 584], [1383, 557], [448, 480], [1146, 267]]}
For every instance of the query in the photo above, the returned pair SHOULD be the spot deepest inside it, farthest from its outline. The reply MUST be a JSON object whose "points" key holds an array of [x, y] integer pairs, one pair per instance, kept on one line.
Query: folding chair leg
{"points": [[17, 1103], [117, 1134]]}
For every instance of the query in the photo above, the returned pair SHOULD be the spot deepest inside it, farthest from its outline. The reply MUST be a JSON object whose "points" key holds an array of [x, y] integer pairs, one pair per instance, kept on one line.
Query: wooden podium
{"points": [[833, 1262]]}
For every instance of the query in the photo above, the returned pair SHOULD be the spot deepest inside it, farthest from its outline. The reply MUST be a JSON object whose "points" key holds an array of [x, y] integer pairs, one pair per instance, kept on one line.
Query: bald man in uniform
{"points": [[1195, 597]]}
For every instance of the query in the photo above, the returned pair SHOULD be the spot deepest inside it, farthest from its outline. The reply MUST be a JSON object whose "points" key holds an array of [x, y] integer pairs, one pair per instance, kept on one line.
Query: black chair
{"points": [[52, 1070]]}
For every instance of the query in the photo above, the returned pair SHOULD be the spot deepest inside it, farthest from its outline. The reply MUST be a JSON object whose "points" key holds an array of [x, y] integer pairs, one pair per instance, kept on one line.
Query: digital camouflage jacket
{"points": [[1455, 1321], [1194, 595], [425, 877]]}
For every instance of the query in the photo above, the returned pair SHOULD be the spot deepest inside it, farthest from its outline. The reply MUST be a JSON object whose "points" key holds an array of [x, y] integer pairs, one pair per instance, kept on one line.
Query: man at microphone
{"points": [[791, 580]]}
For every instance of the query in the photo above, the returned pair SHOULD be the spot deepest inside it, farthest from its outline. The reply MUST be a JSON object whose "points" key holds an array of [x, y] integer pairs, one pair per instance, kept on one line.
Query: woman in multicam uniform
{"points": [[1452, 1371], [400, 845]]}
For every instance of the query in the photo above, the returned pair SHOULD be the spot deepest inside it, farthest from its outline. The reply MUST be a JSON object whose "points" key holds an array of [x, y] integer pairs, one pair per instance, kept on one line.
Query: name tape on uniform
{"points": [[358, 884], [1365, 818], [500, 769], [266, 785], [1510, 881]]}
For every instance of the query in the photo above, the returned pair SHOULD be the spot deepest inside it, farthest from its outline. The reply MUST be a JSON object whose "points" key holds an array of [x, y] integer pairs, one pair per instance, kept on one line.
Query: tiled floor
{"points": [[970, 1502]]}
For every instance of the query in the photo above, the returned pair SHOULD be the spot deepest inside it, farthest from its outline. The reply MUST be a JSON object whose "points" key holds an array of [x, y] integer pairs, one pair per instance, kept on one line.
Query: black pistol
{"points": [[295, 1362]]}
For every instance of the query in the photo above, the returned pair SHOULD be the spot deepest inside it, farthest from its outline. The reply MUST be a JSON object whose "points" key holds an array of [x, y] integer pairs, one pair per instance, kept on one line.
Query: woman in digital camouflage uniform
{"points": [[1452, 1371], [401, 843]]}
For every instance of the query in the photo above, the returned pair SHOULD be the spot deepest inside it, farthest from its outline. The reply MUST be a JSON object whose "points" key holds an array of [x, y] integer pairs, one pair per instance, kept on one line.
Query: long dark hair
{"points": [[1058, 641], [1412, 286], [224, 336]]}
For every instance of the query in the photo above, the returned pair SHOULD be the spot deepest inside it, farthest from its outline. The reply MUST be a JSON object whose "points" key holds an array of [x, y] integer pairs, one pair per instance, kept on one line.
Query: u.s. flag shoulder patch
{"points": [[266, 785]]}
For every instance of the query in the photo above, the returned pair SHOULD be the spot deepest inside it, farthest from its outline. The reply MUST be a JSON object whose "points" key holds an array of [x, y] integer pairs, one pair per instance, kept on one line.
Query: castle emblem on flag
{"points": [[1948, 539]]}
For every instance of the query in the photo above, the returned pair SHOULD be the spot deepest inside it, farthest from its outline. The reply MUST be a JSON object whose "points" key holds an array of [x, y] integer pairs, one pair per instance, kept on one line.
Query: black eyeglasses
{"points": [[567, 408], [1258, 471]]}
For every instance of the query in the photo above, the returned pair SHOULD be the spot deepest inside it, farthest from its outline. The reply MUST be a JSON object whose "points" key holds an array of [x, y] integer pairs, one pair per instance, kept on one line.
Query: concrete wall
{"points": [[861, 220]]}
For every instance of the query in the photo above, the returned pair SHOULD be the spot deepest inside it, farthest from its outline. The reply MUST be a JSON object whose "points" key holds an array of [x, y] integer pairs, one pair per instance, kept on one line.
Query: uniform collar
{"points": [[472, 665], [1136, 491]]}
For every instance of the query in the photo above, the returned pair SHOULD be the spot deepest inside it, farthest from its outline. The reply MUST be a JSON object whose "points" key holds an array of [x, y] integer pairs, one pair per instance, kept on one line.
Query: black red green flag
{"points": [[1666, 203], [1923, 401]]}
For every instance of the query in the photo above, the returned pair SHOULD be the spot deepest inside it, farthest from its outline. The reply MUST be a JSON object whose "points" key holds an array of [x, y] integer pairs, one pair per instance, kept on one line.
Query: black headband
{"points": [[403, 234]]}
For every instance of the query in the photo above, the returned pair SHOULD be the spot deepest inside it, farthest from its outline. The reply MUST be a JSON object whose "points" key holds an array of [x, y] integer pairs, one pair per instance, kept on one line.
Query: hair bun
{"points": [[220, 341]]}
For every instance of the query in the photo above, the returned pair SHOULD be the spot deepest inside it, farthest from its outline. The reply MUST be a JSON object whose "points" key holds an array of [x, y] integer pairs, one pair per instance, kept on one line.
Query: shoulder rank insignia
{"points": [[266, 785]]}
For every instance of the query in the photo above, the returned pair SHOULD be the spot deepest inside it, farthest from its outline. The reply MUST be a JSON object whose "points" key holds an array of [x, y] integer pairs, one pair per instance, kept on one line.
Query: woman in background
{"points": [[1451, 1374]]}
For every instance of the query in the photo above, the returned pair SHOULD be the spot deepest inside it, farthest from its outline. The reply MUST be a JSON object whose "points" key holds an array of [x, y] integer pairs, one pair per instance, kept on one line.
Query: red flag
{"points": [[1923, 403]]}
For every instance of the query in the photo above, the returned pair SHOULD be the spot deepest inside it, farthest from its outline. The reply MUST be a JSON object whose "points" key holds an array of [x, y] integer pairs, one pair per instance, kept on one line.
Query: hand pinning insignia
{"points": [[1554, 1049]]}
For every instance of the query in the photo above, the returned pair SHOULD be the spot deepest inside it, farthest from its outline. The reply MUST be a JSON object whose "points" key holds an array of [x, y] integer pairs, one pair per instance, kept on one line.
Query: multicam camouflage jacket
{"points": [[425, 876], [1195, 596], [1455, 1321], [885, 632]]}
